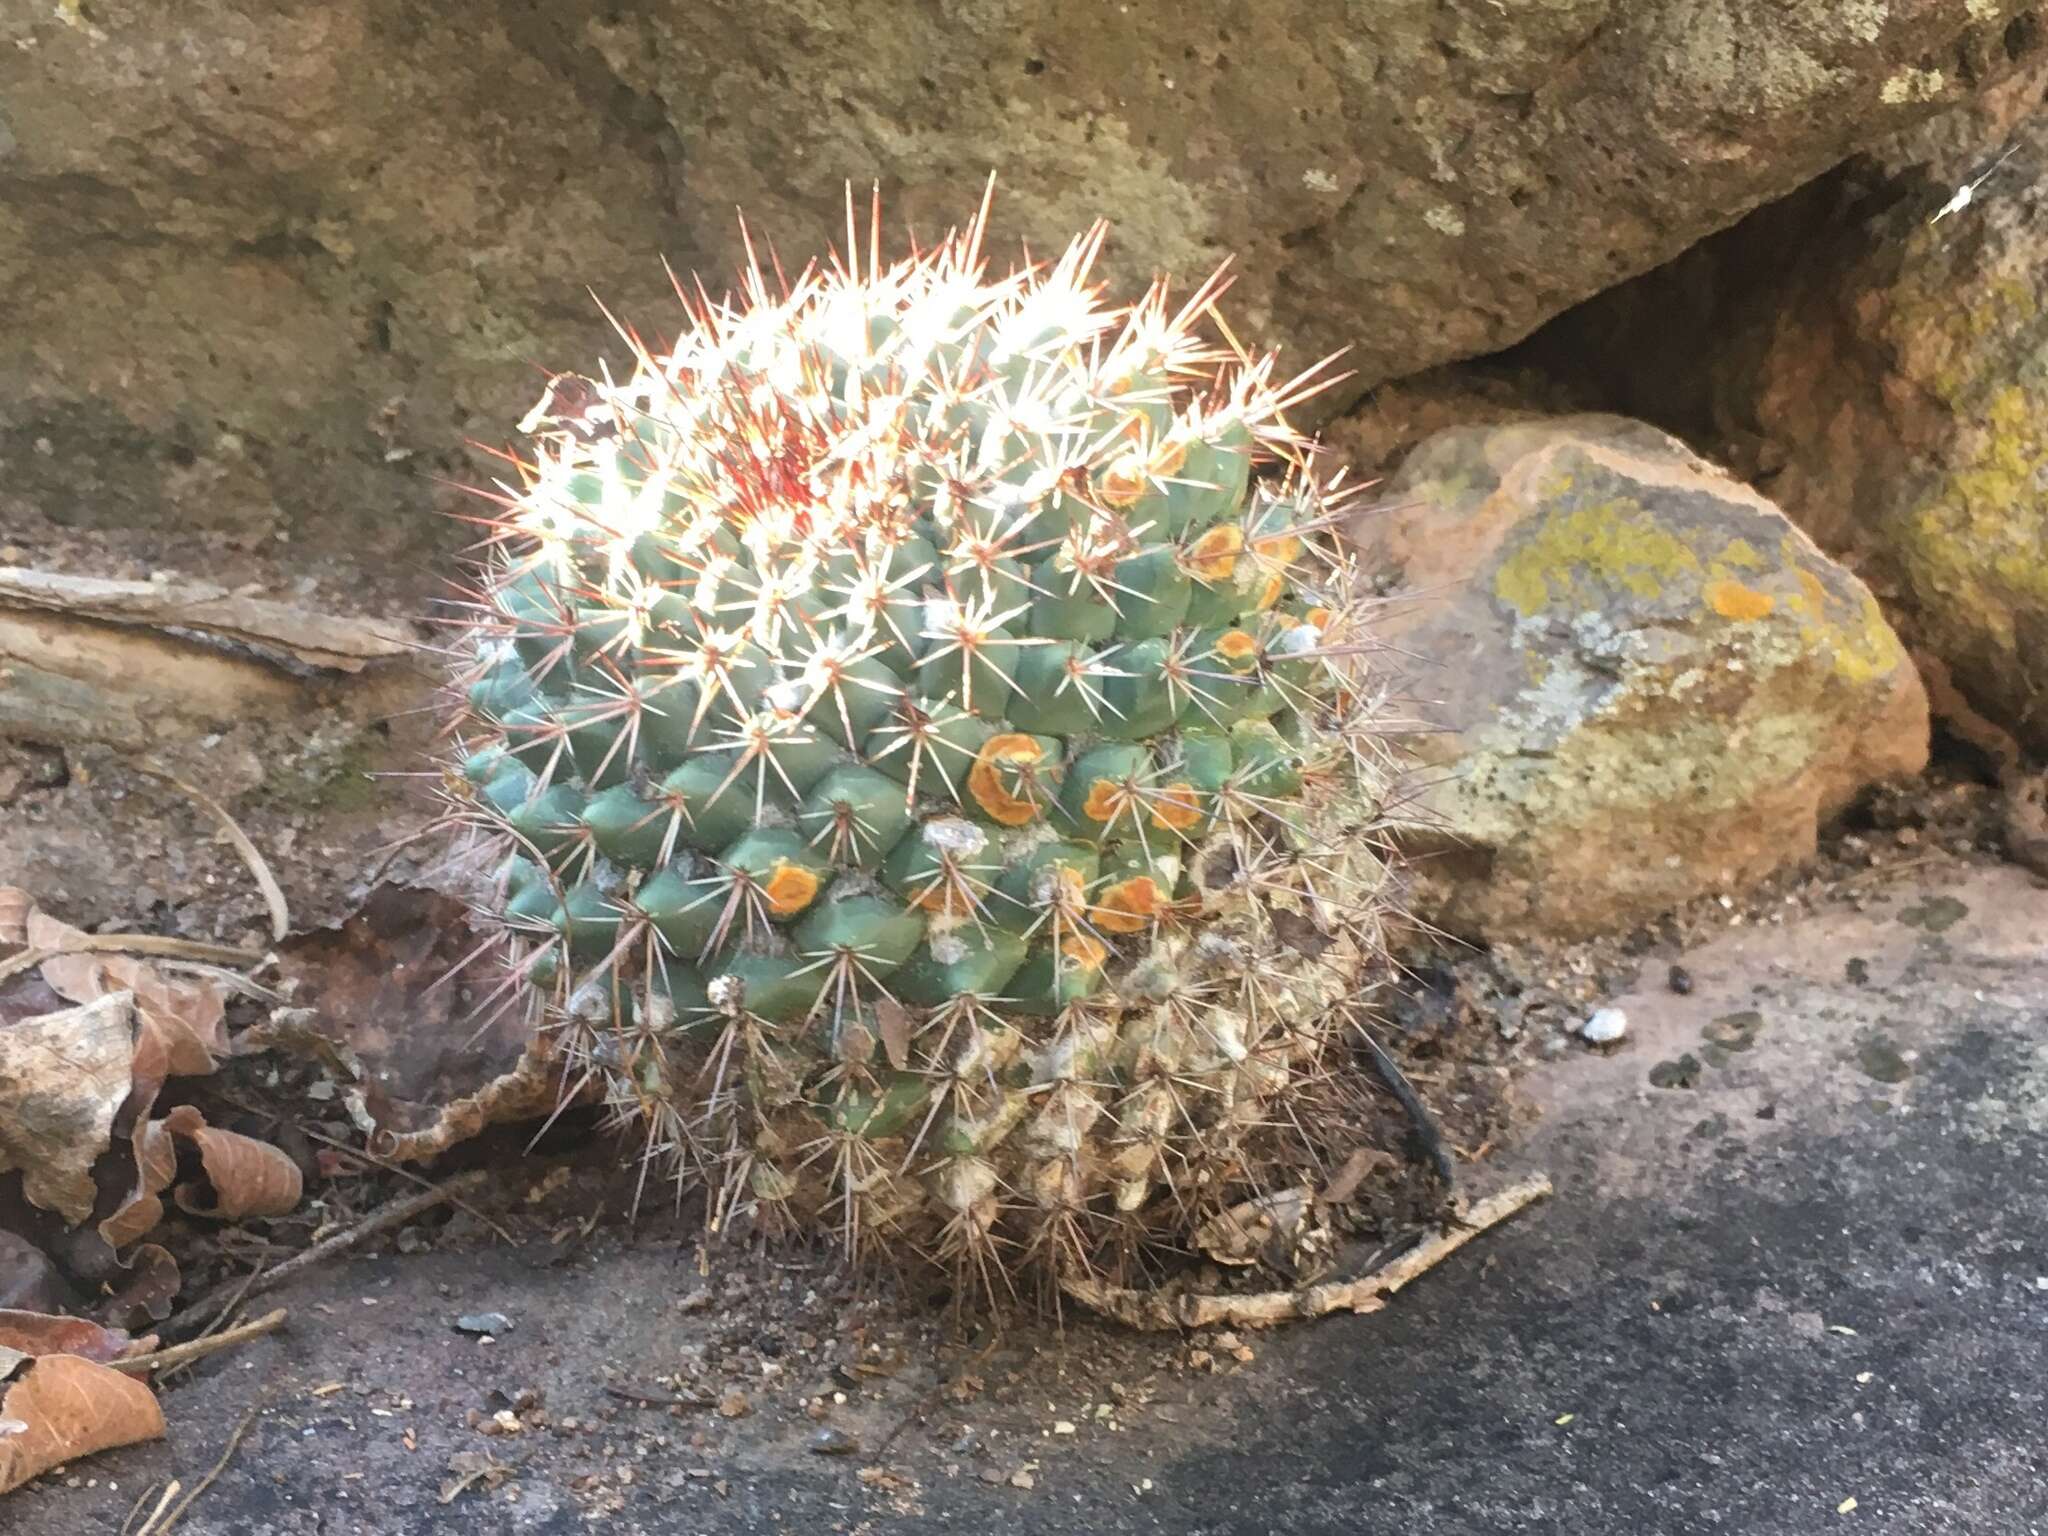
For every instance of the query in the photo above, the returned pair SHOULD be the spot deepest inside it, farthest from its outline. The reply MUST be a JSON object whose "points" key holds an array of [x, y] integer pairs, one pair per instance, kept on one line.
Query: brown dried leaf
{"points": [[248, 1177], [63, 1077], [186, 1016], [42, 1333], [66, 1407], [1362, 1162], [371, 986], [144, 1296], [156, 1165], [893, 1019]]}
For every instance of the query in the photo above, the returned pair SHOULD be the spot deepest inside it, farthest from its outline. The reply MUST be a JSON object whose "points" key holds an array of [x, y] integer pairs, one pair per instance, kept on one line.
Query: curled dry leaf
{"points": [[40, 1333], [248, 1177], [182, 1020], [61, 1407], [156, 1165], [63, 1076], [148, 1283]]}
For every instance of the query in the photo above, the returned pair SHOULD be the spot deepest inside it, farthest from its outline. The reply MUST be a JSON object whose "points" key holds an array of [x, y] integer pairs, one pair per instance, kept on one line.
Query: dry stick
{"points": [[143, 1498], [234, 1301], [392, 1214], [170, 1493], [180, 1354], [206, 1482], [158, 944], [1159, 1311]]}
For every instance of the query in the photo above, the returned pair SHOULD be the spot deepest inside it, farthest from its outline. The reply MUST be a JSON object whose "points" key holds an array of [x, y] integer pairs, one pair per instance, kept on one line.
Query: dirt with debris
{"points": [[539, 1356]]}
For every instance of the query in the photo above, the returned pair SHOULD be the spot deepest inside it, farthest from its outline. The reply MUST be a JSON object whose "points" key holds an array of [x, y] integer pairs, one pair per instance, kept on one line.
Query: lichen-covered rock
{"points": [[266, 263], [1907, 390], [1653, 685]]}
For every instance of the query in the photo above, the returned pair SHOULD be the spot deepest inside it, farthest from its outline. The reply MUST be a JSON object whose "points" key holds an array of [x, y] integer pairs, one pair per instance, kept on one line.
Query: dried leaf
{"points": [[145, 1295], [66, 1408], [187, 1017], [156, 1165], [372, 986], [893, 1019], [1344, 1183], [40, 1333], [248, 1177], [63, 1076]]}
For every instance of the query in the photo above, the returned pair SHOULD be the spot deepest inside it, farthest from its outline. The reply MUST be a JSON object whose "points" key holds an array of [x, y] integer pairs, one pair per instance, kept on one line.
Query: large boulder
{"points": [[1904, 392], [1645, 684], [264, 264]]}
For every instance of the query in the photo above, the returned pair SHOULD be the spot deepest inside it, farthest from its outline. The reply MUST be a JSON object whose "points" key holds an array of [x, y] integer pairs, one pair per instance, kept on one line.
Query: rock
{"points": [[487, 1323], [1734, 1031], [1606, 1026], [1651, 685], [268, 264], [1906, 389], [1681, 1073]]}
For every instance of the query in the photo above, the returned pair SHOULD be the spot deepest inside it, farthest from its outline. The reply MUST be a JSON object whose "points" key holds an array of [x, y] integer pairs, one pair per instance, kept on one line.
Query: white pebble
{"points": [[1604, 1027]]}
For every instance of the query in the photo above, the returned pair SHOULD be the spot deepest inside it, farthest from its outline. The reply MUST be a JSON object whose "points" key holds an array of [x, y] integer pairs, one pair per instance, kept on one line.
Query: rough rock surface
{"points": [[265, 265], [1650, 684], [1906, 391]]}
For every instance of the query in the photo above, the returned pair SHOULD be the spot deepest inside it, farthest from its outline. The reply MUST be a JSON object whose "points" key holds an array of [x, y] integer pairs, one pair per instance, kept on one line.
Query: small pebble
{"points": [[1605, 1027], [483, 1322], [1679, 979], [832, 1442]]}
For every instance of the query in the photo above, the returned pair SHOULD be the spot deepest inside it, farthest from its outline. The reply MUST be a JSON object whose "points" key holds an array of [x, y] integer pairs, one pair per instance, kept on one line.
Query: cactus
{"points": [[917, 726]]}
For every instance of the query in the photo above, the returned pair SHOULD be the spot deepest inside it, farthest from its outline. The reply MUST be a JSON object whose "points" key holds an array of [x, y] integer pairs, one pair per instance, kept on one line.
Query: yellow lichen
{"points": [[1576, 557]]}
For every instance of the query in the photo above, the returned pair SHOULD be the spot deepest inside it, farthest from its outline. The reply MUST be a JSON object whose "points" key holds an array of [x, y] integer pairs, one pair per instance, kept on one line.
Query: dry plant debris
{"points": [[91, 1029]]}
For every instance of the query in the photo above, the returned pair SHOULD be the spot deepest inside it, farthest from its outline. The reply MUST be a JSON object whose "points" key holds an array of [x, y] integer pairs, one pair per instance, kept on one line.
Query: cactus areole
{"points": [[919, 728]]}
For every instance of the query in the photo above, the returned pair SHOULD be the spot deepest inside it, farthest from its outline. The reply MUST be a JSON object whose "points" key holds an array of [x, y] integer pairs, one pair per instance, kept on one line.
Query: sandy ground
{"points": [[1817, 1274]]}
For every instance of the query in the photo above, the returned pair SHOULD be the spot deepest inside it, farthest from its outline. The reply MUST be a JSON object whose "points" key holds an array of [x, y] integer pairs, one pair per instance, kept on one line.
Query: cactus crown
{"points": [[906, 725]]}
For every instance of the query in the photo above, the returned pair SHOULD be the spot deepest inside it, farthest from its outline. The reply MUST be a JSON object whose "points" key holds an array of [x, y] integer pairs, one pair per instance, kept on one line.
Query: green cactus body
{"points": [[873, 721]]}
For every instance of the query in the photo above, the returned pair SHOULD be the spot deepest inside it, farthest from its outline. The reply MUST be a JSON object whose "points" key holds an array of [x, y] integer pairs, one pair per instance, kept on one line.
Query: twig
{"points": [[652, 1400], [391, 1214], [1163, 1310], [234, 1301], [169, 1493], [131, 944], [273, 895], [152, 1528], [180, 1354]]}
